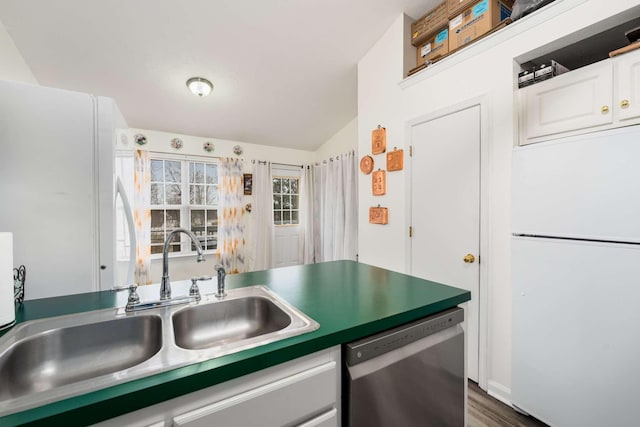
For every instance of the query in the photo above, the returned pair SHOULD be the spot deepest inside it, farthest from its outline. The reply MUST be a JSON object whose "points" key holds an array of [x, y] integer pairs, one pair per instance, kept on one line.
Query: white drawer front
{"points": [[275, 404]]}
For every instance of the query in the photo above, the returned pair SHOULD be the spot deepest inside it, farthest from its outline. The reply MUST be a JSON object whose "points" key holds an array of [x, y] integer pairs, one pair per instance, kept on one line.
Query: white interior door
{"points": [[445, 210]]}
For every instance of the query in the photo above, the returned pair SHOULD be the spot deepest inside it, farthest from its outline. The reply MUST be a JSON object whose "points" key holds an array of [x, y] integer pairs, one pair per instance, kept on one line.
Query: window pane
{"points": [[212, 221], [294, 202], [294, 186], [156, 171], [212, 174], [172, 171], [196, 173], [277, 185], [277, 217], [174, 195], [156, 249], [197, 220], [294, 217], [212, 195], [286, 202], [157, 194], [173, 219], [157, 226], [286, 217], [277, 202], [195, 194], [285, 186]]}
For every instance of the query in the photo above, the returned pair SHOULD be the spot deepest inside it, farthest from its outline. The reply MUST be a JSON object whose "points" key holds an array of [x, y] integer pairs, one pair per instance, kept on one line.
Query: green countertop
{"points": [[349, 300]]}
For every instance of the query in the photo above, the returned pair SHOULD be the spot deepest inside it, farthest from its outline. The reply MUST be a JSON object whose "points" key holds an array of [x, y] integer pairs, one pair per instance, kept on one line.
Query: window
{"points": [[286, 199], [184, 193]]}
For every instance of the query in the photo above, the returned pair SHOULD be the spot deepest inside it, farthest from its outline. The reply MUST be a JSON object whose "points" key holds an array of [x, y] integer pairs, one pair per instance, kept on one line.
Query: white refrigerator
{"points": [[576, 279], [58, 187]]}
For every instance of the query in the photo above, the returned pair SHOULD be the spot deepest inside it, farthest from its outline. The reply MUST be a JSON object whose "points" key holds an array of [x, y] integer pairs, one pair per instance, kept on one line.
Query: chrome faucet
{"points": [[221, 275], [165, 285]]}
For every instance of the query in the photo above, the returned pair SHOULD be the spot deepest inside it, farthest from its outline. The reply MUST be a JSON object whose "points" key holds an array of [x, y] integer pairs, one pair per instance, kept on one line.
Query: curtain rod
{"points": [[264, 162]]}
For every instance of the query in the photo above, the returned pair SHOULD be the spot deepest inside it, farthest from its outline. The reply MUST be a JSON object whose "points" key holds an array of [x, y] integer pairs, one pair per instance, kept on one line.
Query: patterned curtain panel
{"points": [[231, 216], [142, 217]]}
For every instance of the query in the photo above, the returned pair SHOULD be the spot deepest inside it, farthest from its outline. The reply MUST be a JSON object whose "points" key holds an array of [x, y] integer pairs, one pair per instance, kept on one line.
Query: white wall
{"points": [[345, 140], [12, 65], [184, 267], [485, 69]]}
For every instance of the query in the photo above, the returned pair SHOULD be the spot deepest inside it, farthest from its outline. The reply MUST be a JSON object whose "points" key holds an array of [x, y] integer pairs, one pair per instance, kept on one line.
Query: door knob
{"points": [[604, 109], [469, 258], [624, 103]]}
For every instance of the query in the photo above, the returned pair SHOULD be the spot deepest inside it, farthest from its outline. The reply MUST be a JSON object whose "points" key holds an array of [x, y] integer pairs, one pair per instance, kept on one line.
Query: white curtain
{"points": [[330, 210], [142, 216], [262, 215], [231, 216]]}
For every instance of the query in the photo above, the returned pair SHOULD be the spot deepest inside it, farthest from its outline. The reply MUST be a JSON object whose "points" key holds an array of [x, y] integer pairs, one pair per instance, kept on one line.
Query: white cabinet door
{"points": [[627, 86], [576, 100]]}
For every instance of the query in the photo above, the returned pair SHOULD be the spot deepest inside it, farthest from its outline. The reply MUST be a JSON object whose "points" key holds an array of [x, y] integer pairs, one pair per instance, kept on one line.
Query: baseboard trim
{"points": [[500, 392]]}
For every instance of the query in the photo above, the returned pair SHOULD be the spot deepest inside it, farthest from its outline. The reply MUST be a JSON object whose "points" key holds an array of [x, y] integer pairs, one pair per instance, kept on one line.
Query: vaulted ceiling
{"points": [[284, 71]]}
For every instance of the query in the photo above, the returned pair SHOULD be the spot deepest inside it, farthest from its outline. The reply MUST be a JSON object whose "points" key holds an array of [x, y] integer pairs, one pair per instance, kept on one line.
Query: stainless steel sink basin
{"points": [[228, 321], [246, 318], [46, 360], [68, 355]]}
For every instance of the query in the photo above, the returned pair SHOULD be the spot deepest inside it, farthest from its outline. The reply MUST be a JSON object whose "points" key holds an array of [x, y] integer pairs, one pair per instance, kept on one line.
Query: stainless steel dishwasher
{"points": [[412, 375]]}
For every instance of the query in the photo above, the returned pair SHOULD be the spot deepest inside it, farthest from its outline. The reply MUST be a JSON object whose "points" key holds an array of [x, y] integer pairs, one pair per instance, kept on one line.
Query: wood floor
{"points": [[485, 411]]}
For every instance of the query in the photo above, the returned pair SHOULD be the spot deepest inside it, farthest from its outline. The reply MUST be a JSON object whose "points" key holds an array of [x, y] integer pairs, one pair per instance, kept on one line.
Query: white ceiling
{"points": [[284, 71]]}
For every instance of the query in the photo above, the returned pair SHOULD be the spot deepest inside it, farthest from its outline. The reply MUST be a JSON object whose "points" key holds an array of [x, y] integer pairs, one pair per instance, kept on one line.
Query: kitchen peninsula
{"points": [[349, 300]]}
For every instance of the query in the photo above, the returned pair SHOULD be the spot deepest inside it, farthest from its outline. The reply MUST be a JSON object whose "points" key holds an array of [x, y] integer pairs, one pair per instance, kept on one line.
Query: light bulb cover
{"points": [[199, 86]]}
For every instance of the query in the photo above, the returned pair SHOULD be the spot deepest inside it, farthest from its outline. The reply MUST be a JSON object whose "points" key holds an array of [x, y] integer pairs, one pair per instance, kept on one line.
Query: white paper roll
{"points": [[7, 305]]}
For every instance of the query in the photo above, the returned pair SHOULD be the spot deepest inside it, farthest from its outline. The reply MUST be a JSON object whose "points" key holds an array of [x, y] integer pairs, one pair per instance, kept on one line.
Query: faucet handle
{"points": [[134, 298], [194, 291]]}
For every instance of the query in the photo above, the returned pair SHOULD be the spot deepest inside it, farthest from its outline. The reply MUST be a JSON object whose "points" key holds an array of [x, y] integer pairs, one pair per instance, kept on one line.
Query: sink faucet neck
{"points": [[165, 284]]}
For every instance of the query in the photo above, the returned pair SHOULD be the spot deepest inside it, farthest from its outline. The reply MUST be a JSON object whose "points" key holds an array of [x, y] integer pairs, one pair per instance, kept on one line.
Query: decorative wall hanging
{"points": [[366, 164], [378, 140], [247, 179], [395, 160], [237, 150], [208, 146], [140, 139], [379, 183], [378, 215], [176, 143]]}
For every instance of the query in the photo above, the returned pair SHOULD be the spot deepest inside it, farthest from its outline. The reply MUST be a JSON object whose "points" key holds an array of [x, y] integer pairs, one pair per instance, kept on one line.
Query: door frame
{"points": [[484, 267]]}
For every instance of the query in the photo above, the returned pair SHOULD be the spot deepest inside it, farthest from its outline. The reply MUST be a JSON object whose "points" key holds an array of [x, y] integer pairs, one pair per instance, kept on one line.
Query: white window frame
{"points": [[185, 207]]}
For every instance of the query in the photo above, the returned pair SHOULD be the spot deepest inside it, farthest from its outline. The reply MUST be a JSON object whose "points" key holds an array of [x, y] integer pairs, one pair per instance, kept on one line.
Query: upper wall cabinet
{"points": [[599, 96], [627, 86]]}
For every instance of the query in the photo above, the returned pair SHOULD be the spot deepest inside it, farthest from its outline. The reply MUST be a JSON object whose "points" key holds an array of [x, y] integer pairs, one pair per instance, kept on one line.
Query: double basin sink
{"points": [[46, 360]]}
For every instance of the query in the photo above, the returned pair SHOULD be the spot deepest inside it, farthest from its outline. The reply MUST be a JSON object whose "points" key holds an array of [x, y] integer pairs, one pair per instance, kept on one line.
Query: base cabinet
{"points": [[303, 392]]}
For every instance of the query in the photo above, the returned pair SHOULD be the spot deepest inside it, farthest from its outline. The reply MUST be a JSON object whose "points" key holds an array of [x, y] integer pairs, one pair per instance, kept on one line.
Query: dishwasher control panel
{"points": [[381, 343]]}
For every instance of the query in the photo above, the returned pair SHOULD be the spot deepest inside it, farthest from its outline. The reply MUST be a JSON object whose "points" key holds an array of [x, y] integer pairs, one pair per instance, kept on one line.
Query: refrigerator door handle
{"points": [[132, 231]]}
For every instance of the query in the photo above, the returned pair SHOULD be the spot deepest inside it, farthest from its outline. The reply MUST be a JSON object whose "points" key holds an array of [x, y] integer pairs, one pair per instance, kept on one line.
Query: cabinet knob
{"points": [[469, 258], [624, 103], [604, 109]]}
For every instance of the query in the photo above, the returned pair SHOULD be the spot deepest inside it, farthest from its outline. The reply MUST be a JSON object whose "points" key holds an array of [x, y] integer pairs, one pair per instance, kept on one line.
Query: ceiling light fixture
{"points": [[199, 86]]}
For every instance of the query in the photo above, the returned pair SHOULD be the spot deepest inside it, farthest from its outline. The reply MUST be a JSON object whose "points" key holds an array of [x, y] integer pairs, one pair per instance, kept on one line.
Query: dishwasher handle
{"points": [[376, 345]]}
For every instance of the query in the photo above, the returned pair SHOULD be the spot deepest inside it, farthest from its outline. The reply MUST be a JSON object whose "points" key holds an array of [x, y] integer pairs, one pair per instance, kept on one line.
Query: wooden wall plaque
{"points": [[378, 140], [395, 160], [379, 183], [378, 215]]}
